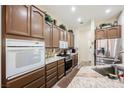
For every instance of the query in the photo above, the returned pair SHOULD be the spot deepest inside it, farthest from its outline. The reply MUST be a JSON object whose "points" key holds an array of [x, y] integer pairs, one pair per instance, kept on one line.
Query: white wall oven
{"points": [[23, 56]]}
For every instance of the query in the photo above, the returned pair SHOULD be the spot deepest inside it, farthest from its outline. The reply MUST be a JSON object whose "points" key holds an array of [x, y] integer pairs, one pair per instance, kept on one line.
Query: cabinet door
{"points": [[69, 39], [61, 71], [48, 35], [114, 33], [55, 37], [76, 59], [18, 20], [73, 60], [101, 34], [61, 35], [72, 40], [37, 23]]}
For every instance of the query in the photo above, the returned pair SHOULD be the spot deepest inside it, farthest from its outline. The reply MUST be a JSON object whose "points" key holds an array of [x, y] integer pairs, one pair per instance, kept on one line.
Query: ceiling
{"points": [[64, 14]]}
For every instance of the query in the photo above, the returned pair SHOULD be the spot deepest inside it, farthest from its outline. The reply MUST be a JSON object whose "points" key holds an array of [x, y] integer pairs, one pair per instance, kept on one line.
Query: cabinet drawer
{"points": [[51, 65], [51, 76], [61, 71], [60, 61], [37, 83], [43, 86], [51, 82], [25, 79], [51, 71]]}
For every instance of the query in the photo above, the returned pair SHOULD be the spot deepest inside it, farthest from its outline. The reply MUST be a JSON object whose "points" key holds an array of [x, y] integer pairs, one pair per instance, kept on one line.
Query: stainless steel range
{"points": [[68, 63]]}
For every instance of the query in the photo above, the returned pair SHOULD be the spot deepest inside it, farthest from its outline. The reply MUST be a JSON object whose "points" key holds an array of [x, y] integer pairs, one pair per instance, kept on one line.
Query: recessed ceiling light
{"points": [[73, 9], [79, 19], [108, 11]]}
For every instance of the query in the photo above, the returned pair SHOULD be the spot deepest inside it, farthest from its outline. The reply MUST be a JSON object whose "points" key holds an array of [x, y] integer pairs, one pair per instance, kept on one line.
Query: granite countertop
{"points": [[53, 59], [73, 54], [119, 66], [56, 58], [88, 78]]}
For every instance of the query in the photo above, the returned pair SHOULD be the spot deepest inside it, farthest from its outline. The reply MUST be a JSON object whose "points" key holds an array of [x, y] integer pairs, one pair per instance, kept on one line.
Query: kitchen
{"points": [[40, 51]]}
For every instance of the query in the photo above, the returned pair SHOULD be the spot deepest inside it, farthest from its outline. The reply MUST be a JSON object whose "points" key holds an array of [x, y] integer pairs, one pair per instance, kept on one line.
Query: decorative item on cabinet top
{"points": [[105, 25], [70, 30], [62, 27], [48, 18]]}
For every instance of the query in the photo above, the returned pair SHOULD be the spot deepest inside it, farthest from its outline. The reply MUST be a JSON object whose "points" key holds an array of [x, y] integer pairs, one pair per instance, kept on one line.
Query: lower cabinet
{"points": [[74, 60], [51, 74], [34, 79], [44, 77], [54, 72], [61, 69]]}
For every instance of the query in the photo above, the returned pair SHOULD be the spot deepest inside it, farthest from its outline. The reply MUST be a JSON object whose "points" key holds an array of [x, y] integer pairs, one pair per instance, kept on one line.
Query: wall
{"points": [[44, 8], [121, 22], [91, 41], [109, 20], [83, 41], [0, 46]]}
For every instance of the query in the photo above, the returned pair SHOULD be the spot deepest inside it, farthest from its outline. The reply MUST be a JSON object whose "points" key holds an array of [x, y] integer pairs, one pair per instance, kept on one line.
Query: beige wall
{"points": [[53, 16], [83, 38], [109, 20]]}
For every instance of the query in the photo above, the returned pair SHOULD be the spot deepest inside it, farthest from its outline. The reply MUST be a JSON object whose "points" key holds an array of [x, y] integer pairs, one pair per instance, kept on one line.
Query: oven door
{"points": [[20, 60], [68, 64]]}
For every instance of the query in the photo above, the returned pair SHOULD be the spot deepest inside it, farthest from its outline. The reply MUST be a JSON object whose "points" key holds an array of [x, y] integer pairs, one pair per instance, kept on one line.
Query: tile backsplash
{"points": [[50, 52]]}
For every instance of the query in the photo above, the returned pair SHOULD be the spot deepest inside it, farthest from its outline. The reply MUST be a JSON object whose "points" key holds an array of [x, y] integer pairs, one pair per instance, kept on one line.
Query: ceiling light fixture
{"points": [[108, 11], [73, 9], [79, 19]]}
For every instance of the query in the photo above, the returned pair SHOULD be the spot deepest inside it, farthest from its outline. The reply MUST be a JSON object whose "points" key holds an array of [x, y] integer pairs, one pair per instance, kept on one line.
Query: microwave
{"points": [[23, 56]]}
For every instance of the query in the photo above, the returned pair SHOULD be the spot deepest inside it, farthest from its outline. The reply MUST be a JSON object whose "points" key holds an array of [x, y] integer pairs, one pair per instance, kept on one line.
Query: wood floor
{"points": [[64, 82]]}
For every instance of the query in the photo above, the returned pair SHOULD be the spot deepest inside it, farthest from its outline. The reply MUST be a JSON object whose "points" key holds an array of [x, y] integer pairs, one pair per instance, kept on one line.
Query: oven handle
{"points": [[69, 60]]}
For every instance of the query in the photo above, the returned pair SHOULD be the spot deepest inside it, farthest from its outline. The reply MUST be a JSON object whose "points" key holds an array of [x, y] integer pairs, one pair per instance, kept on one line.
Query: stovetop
{"points": [[67, 56]]}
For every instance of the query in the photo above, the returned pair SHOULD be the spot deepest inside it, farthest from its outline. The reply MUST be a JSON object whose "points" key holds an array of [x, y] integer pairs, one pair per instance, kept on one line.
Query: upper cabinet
{"points": [[70, 39], [24, 20], [108, 33], [62, 38], [114, 32], [55, 36], [48, 34], [18, 20], [37, 23], [101, 34]]}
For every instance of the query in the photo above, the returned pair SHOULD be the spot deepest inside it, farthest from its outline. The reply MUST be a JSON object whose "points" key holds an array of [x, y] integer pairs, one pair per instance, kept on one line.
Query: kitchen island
{"points": [[88, 78]]}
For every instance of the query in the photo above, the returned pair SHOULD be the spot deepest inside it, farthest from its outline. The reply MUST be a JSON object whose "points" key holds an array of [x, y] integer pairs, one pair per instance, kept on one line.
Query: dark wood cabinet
{"points": [[61, 35], [48, 34], [72, 40], [101, 34], [51, 74], [114, 32], [55, 36], [108, 33], [61, 69], [24, 21], [37, 83], [69, 39], [18, 20], [37, 23], [31, 79], [74, 60]]}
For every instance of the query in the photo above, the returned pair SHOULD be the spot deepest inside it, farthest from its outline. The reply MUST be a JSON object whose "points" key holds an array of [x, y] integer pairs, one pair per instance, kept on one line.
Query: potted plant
{"points": [[62, 27]]}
